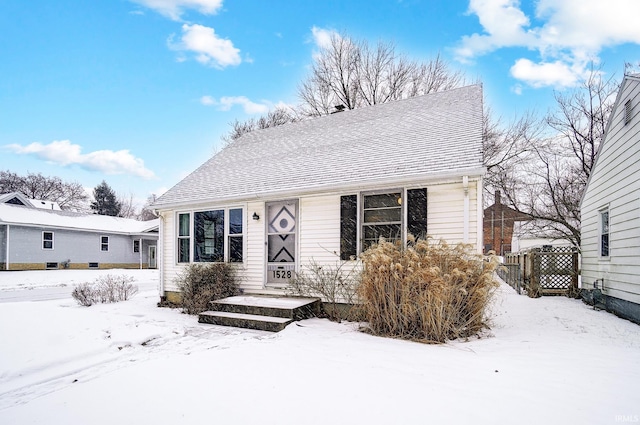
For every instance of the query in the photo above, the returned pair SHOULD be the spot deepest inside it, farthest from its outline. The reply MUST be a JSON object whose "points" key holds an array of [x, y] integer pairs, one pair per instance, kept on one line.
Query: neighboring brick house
{"points": [[498, 226]]}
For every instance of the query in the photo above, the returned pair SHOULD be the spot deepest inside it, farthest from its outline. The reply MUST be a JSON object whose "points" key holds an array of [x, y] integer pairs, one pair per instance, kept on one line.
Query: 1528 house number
{"points": [[281, 274]]}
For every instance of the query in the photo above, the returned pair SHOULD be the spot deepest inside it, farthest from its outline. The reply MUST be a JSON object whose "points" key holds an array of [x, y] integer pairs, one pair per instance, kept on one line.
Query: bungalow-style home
{"points": [[610, 211], [326, 189], [36, 239]]}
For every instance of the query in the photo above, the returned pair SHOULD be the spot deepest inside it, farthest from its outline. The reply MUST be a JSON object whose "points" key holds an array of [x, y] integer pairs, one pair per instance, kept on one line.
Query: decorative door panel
{"points": [[281, 241]]}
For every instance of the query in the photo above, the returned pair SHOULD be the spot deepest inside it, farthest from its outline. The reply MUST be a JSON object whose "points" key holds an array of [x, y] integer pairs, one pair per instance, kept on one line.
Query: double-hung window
{"points": [[136, 245], [104, 243], [235, 235], [47, 240], [184, 238], [604, 233], [211, 236], [391, 215], [381, 218]]}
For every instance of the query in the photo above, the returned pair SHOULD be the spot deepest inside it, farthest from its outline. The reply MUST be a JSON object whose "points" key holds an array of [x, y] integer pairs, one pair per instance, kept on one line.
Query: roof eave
{"points": [[446, 177]]}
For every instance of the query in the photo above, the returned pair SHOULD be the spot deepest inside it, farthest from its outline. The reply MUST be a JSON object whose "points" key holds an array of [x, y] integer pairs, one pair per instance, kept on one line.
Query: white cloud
{"points": [[544, 74], [64, 153], [175, 8], [209, 49], [322, 36], [225, 103], [571, 34], [207, 100]]}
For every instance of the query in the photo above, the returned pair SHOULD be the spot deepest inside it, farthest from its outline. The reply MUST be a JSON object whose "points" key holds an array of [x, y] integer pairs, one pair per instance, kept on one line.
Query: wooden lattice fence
{"points": [[544, 271]]}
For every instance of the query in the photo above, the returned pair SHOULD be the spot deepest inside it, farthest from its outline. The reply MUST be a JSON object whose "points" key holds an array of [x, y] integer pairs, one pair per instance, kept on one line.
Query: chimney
{"points": [[498, 198]]}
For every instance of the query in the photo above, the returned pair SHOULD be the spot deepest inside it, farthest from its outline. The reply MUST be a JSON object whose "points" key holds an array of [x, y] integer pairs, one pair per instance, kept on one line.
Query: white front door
{"points": [[282, 228]]}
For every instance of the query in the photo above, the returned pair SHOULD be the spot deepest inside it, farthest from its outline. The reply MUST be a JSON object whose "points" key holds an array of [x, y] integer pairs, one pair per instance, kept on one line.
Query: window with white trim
{"points": [[236, 235], [604, 233], [381, 218], [47, 240], [184, 238], [211, 236], [104, 243], [136, 245]]}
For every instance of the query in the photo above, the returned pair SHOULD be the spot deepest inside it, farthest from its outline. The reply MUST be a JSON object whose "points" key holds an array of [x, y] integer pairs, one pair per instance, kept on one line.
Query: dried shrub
{"points": [[430, 292], [84, 294], [336, 285], [202, 283], [105, 289]]}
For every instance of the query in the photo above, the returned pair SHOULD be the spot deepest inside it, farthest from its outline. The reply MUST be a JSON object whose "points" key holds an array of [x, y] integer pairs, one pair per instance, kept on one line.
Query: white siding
{"points": [[170, 269], [255, 254], [446, 213], [319, 229], [615, 184]]}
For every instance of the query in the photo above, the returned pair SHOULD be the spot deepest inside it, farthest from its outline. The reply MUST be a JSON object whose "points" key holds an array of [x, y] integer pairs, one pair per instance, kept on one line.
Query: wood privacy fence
{"points": [[542, 271]]}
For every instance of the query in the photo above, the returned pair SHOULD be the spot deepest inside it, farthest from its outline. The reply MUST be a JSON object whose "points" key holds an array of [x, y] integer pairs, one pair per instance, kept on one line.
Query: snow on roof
{"points": [[14, 196], [432, 135], [26, 216], [36, 203]]}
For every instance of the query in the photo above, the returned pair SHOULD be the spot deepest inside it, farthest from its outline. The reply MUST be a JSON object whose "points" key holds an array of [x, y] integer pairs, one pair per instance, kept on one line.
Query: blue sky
{"points": [[139, 92]]}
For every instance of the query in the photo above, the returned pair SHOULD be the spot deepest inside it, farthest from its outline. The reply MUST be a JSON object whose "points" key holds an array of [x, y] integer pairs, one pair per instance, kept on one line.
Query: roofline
{"points": [[78, 229], [478, 172], [636, 78], [23, 198]]}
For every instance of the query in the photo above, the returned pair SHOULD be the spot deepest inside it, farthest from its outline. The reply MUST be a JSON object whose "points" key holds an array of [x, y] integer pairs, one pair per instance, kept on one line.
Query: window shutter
{"points": [[348, 226], [417, 213]]}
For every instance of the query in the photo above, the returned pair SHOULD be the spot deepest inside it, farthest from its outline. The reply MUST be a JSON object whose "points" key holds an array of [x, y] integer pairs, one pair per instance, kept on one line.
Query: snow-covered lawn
{"points": [[545, 361]]}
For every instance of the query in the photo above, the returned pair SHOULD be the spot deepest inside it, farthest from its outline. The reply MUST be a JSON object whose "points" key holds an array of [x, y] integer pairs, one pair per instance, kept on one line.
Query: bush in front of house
{"points": [[200, 284], [429, 292], [336, 285], [105, 289]]}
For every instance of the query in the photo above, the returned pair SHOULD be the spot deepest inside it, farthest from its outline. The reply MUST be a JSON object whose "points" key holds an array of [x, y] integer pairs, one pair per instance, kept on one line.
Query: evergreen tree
{"points": [[105, 201]]}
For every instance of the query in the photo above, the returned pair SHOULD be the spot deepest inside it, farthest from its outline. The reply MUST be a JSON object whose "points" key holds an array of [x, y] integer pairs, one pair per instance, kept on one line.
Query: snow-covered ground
{"points": [[544, 361]]}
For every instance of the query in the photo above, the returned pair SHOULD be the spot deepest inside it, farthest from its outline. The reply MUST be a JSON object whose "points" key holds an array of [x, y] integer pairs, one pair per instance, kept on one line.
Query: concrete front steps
{"points": [[266, 313]]}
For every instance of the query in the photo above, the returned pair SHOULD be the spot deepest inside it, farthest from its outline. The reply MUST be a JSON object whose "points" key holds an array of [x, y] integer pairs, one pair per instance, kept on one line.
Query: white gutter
{"points": [[340, 187], [465, 225]]}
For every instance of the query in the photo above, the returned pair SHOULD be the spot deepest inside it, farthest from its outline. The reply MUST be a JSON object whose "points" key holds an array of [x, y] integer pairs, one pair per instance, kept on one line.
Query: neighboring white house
{"points": [[35, 238], [325, 189], [526, 236], [610, 210], [17, 198]]}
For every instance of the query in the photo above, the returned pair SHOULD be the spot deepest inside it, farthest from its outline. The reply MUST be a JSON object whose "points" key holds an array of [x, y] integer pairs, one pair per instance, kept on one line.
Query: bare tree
{"points": [[127, 207], [548, 173], [147, 212], [508, 148], [334, 78], [351, 74], [69, 195], [276, 117]]}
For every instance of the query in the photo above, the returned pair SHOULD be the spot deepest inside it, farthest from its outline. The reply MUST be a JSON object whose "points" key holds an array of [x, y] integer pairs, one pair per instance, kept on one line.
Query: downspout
{"points": [[160, 255], [465, 228], [6, 262], [140, 251]]}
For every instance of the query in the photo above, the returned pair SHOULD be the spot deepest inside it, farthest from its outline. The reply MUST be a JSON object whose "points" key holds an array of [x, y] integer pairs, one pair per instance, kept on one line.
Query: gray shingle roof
{"points": [[435, 134]]}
